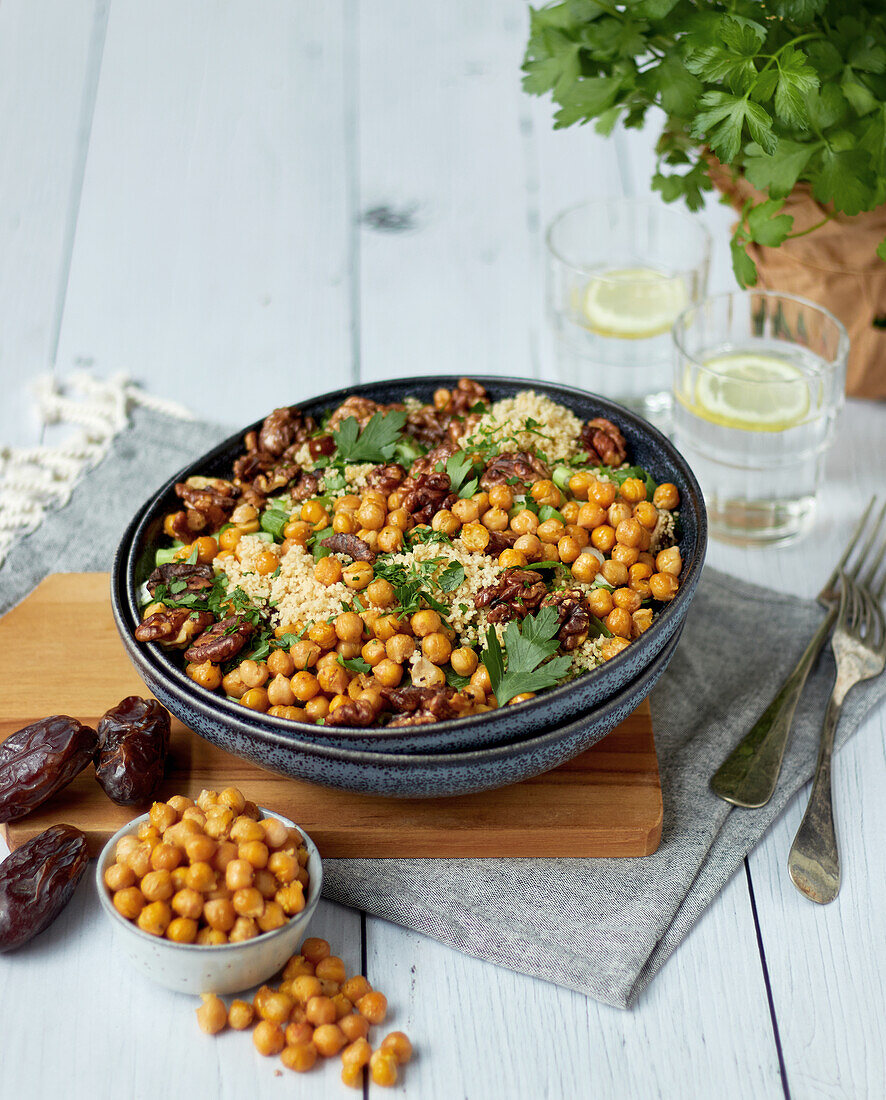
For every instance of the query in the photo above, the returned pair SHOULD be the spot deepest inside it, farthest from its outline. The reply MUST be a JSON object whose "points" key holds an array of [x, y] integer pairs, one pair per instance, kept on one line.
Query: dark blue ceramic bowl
{"points": [[416, 775], [550, 711]]}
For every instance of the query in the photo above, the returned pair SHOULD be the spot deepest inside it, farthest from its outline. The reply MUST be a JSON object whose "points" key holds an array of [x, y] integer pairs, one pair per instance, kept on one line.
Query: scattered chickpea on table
{"points": [[316, 1011]]}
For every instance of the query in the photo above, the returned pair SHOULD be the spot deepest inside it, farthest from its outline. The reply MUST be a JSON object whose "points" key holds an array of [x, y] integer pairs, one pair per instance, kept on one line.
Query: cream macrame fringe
{"points": [[34, 479]]}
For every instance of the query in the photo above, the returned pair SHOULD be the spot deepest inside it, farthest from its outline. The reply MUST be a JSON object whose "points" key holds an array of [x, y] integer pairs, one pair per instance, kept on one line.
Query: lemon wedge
{"points": [[751, 391], [633, 303]]}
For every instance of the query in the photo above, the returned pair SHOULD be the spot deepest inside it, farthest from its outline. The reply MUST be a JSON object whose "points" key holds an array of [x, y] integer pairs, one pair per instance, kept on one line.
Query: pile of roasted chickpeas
{"points": [[315, 1011], [210, 871], [307, 682]]}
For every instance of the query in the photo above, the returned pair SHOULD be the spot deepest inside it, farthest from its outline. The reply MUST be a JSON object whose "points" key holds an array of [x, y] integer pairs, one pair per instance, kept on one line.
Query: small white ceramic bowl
{"points": [[199, 968]]}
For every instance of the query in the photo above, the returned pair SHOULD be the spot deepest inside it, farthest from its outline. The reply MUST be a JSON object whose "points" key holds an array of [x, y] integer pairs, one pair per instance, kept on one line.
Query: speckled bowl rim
{"points": [[314, 889], [123, 589]]}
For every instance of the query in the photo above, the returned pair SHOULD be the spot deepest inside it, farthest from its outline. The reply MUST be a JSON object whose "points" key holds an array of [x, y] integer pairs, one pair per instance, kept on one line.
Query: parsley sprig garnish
{"points": [[527, 647], [415, 583], [377, 442]]}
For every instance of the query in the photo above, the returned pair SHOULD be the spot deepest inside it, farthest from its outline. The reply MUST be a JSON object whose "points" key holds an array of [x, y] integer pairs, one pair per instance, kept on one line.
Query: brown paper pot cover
{"points": [[836, 266]]}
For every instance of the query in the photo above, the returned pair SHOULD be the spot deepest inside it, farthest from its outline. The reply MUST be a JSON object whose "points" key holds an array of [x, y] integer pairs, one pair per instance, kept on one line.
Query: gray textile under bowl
{"points": [[552, 709], [417, 775]]}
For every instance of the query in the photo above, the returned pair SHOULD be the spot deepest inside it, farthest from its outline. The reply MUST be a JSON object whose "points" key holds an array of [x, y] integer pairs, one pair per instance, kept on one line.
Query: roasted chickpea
{"points": [[424, 623], [602, 493], [157, 886], [350, 502], [464, 660], [305, 686], [357, 575], [320, 1010], [580, 535], [501, 496], [552, 530], [646, 514], [268, 1038], [666, 496], [627, 598], [495, 519], [615, 573], [466, 511], [373, 651], [546, 492], [330, 968], [568, 549], [206, 675], [354, 1027], [316, 708], [591, 515], [328, 570], [239, 874], [304, 653], [349, 626], [256, 699], [280, 663], [119, 877], [481, 499], [445, 521], [512, 558], [155, 917], [343, 523], [669, 561], [641, 620], [329, 1040], [129, 902], [475, 537], [627, 555], [436, 647], [400, 647], [383, 1068], [240, 1015], [224, 853], [166, 857], [244, 928], [298, 531], [618, 512], [390, 539], [525, 522], [603, 538], [618, 622], [663, 586], [323, 635], [480, 679], [600, 602], [388, 673], [585, 568], [212, 1014], [300, 1057]]}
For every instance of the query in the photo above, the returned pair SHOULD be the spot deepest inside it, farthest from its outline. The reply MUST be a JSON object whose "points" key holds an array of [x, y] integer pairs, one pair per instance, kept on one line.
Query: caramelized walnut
{"points": [[306, 485], [176, 626], [418, 705], [357, 712], [604, 442], [428, 463], [521, 465], [386, 479], [208, 500], [350, 545], [515, 594], [361, 409], [196, 577], [280, 430], [573, 614], [221, 641], [425, 495]]}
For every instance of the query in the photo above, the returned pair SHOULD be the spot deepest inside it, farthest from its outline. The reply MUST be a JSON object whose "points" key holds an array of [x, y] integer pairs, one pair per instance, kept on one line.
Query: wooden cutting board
{"points": [[60, 654]]}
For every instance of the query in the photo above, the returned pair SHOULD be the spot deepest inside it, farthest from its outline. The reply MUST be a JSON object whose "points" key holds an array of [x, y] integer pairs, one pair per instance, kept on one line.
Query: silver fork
{"points": [[748, 775], [859, 645]]}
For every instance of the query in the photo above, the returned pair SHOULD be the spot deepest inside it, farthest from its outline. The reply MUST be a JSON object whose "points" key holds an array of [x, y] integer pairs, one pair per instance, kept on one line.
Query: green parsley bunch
{"points": [[783, 91]]}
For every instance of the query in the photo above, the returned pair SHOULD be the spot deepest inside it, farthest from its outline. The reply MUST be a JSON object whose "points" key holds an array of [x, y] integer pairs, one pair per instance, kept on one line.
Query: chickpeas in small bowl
{"points": [[210, 895]]}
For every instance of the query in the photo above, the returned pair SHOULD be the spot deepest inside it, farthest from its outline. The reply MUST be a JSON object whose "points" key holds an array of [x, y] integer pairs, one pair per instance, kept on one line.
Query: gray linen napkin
{"points": [[601, 926]]}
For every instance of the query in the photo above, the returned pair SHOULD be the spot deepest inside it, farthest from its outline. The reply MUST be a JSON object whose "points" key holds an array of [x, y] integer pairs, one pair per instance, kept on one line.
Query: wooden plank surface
{"points": [[607, 802]]}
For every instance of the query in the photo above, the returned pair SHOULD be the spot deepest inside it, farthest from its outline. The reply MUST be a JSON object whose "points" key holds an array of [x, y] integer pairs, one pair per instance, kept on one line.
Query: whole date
{"points": [[37, 881], [133, 742], [39, 760]]}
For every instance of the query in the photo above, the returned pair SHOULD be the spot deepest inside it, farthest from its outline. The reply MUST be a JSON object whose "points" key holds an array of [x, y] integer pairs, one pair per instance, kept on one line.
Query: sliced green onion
{"points": [[546, 512], [561, 477]]}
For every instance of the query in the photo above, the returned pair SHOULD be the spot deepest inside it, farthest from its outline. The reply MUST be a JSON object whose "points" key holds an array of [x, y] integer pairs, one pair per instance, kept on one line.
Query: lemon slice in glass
{"points": [[633, 303], [752, 391]]}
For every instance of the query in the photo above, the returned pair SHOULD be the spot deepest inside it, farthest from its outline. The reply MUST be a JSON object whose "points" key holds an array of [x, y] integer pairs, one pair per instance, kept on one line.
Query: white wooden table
{"points": [[242, 203]]}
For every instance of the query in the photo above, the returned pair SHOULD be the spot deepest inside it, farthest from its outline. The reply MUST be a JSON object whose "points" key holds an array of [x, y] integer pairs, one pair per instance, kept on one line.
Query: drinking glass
{"points": [[619, 273], [758, 383]]}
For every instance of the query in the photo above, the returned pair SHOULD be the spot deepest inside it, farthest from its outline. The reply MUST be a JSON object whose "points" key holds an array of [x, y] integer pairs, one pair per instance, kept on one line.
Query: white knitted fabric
{"points": [[33, 479]]}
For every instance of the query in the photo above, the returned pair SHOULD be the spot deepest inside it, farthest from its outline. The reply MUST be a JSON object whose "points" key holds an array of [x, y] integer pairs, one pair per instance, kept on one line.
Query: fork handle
{"points": [[814, 860], [748, 775]]}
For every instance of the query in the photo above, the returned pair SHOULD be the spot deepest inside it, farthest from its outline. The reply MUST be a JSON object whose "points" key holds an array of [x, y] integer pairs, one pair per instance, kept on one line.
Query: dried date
{"points": [[37, 881], [39, 760], [133, 745]]}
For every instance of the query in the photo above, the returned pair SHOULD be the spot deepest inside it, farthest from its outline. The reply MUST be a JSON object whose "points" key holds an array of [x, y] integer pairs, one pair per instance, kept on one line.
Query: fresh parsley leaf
{"points": [[529, 648], [453, 679], [451, 577], [376, 443], [355, 664]]}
